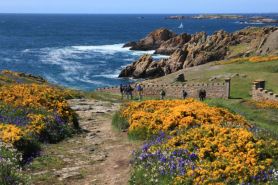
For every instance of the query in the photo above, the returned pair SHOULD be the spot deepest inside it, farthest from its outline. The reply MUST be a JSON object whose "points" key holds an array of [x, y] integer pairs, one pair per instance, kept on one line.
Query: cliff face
{"points": [[187, 50]]}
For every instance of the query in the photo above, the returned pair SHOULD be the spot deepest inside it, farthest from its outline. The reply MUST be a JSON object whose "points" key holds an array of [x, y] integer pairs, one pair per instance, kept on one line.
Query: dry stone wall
{"points": [[259, 93], [213, 90]]}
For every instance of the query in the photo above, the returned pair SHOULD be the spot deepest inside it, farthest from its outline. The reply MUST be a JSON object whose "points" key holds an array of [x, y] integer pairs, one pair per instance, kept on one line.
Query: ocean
{"points": [[85, 51]]}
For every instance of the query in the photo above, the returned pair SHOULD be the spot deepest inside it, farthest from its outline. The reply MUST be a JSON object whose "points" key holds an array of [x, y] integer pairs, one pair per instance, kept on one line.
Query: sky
{"points": [[138, 6]]}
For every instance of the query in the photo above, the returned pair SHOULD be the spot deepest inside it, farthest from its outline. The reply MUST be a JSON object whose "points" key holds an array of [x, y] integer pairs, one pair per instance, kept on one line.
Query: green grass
{"points": [[266, 119], [119, 122], [240, 84], [237, 49], [115, 98]]}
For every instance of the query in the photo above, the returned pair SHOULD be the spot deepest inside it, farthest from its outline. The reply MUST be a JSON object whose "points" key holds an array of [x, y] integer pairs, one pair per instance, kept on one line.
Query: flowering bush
{"points": [[154, 116], [32, 113], [255, 59], [36, 96], [266, 104], [202, 145], [10, 170], [208, 154]]}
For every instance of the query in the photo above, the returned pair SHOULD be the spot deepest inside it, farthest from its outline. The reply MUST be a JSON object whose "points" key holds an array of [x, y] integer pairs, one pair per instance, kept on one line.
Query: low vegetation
{"points": [[198, 144], [30, 114]]}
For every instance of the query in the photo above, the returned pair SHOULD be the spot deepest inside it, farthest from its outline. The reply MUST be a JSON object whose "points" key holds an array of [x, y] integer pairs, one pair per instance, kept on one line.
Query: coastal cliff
{"points": [[186, 50]]}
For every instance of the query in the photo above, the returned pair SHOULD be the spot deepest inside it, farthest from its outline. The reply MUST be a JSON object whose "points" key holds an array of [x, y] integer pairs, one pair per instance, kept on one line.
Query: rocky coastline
{"points": [[241, 18], [188, 50]]}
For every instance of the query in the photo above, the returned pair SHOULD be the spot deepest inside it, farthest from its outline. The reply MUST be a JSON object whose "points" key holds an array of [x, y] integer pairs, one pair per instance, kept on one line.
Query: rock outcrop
{"points": [[152, 41], [137, 69], [269, 44], [170, 46], [190, 50]]}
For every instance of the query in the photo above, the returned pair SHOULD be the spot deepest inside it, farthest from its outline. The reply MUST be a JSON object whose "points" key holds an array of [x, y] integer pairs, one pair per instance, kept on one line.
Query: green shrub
{"points": [[119, 122], [10, 173], [29, 147], [139, 134]]}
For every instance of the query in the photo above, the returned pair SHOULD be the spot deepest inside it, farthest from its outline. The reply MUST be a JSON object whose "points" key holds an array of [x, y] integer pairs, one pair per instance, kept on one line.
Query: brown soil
{"points": [[100, 155]]}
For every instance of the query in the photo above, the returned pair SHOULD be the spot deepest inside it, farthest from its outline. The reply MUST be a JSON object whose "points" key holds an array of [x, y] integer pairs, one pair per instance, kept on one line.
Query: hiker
{"points": [[139, 89], [129, 90], [122, 90], [184, 94], [162, 94], [202, 94]]}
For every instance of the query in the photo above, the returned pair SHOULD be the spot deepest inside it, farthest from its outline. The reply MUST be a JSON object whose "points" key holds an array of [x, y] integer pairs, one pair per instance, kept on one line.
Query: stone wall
{"points": [[213, 90], [259, 93]]}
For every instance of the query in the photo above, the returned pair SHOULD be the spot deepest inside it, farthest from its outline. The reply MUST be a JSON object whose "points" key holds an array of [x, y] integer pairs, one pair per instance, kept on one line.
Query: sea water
{"points": [[85, 51]]}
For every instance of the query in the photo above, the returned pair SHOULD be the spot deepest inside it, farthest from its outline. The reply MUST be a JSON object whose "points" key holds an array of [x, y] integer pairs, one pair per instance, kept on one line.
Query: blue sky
{"points": [[138, 6]]}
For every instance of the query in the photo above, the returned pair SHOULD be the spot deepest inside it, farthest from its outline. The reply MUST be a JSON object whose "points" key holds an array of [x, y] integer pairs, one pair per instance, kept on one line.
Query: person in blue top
{"points": [[139, 89]]}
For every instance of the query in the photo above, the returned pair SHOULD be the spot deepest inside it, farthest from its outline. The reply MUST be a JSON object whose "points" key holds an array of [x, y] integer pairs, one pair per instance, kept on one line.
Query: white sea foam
{"points": [[104, 49], [161, 56], [69, 59]]}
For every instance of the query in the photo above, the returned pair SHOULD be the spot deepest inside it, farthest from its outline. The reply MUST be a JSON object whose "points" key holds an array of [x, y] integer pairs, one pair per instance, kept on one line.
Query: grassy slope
{"points": [[241, 86], [266, 119]]}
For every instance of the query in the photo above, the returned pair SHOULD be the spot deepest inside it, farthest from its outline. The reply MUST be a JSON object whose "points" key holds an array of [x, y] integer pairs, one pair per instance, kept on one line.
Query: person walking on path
{"points": [[184, 94], [139, 89], [202, 94], [162, 94], [122, 91], [129, 92]]}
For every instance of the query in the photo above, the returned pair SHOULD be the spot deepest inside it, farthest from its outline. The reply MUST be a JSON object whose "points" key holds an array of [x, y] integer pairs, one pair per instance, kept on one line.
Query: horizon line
{"points": [[53, 13]]}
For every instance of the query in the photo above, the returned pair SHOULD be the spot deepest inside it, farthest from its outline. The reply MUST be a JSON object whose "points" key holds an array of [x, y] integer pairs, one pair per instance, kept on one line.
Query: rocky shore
{"points": [[187, 50], [248, 19]]}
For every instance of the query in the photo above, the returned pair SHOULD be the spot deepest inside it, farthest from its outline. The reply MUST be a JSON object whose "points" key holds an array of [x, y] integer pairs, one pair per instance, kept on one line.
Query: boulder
{"points": [[170, 46], [138, 68], [176, 61], [152, 41], [269, 44]]}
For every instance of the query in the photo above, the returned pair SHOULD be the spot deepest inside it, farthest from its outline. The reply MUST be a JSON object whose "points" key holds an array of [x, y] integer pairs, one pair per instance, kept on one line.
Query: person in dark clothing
{"points": [[129, 90], [162, 94], [122, 90], [202, 94], [184, 94]]}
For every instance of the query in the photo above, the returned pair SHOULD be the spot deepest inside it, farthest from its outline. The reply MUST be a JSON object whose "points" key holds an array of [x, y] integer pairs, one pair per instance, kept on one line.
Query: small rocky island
{"points": [[241, 18], [207, 16], [188, 50]]}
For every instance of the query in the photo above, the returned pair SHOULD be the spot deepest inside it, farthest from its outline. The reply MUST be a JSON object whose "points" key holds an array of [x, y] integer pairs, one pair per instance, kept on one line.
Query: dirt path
{"points": [[98, 156]]}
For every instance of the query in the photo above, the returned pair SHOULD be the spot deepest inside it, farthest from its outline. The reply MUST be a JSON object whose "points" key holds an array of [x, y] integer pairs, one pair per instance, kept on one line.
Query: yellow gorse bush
{"points": [[266, 104], [155, 116], [255, 59], [35, 96], [10, 133], [229, 153]]}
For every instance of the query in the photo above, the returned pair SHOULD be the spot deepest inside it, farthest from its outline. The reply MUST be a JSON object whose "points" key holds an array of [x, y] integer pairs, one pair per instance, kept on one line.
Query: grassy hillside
{"points": [[242, 75]]}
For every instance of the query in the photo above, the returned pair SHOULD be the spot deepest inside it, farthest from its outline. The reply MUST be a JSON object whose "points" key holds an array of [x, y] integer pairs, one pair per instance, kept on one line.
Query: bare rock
{"points": [[170, 46], [269, 44], [138, 68], [152, 41]]}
